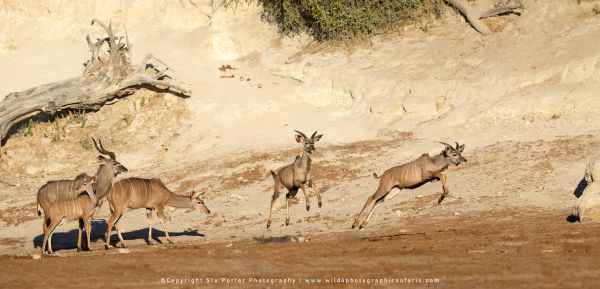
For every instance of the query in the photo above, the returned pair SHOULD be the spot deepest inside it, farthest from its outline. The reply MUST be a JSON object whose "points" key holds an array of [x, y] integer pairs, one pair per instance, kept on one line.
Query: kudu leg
{"points": [[88, 233], [111, 222], [360, 215], [305, 197], [379, 194], [80, 228], [45, 229], [50, 230], [314, 189], [287, 208], [273, 199], [149, 218], [122, 241], [444, 187], [366, 221], [161, 218]]}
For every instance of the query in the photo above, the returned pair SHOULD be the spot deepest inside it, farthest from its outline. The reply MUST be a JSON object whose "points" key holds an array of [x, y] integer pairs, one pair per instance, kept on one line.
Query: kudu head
{"points": [[453, 154], [85, 184], [198, 203], [110, 163], [309, 143]]}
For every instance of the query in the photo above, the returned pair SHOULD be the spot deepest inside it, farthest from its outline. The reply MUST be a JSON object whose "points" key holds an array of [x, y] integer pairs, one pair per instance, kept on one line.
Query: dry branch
{"points": [[475, 18], [501, 10], [108, 75]]}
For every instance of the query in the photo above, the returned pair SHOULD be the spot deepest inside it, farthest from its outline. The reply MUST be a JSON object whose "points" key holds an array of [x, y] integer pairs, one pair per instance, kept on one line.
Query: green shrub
{"points": [[345, 19], [26, 129], [86, 142]]}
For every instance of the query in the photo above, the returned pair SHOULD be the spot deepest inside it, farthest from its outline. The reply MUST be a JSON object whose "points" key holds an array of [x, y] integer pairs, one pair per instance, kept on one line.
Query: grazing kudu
{"points": [[152, 194], [296, 176], [54, 191], [79, 208], [411, 175]]}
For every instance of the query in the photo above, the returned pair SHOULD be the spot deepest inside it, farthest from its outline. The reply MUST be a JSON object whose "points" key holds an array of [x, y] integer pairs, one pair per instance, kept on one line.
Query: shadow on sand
{"points": [[578, 192], [68, 240]]}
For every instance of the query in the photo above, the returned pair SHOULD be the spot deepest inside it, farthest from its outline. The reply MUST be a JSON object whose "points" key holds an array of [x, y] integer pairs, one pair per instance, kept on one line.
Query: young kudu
{"points": [[152, 194], [411, 175], [296, 176], [79, 208], [64, 190]]}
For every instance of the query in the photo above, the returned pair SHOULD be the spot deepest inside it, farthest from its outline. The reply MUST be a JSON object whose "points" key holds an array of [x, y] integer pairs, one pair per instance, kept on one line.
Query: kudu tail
{"points": [[273, 173], [39, 210], [376, 176]]}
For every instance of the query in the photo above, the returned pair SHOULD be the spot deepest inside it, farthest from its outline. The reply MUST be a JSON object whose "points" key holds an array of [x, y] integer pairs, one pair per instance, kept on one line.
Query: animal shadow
{"points": [[578, 193], [68, 240]]}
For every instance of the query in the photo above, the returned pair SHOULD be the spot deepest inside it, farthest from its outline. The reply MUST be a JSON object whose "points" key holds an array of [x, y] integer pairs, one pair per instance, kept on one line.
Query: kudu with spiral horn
{"points": [[65, 190], [296, 175], [411, 175]]}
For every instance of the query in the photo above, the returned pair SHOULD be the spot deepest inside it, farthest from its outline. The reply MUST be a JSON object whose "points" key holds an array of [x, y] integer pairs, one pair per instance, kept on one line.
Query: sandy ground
{"points": [[493, 249], [524, 101]]}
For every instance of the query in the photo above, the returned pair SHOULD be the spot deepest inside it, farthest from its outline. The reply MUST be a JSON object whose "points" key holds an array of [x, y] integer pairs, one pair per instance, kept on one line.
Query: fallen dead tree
{"points": [[474, 18], [108, 74]]}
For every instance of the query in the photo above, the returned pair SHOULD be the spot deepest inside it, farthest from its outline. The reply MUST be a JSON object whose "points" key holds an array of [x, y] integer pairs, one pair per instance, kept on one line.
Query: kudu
{"points": [[54, 191], [411, 175], [296, 175], [152, 194], [79, 208]]}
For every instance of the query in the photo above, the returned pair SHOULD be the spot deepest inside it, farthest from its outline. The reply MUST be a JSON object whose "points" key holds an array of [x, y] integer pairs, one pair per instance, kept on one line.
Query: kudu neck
{"points": [[441, 161], [103, 180], [179, 201]]}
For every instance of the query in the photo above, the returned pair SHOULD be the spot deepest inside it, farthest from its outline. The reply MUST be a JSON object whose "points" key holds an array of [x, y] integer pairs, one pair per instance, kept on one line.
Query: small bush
{"points": [[86, 143], [26, 129], [78, 118], [345, 19], [127, 118]]}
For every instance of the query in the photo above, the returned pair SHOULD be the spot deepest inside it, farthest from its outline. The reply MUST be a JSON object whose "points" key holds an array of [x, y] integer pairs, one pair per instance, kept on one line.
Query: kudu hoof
{"points": [[320, 205], [307, 208], [171, 242], [441, 199], [150, 243], [106, 247], [122, 245], [287, 223]]}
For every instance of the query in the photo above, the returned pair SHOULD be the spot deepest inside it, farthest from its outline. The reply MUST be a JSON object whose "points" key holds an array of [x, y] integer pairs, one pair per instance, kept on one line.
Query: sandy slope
{"points": [[524, 101]]}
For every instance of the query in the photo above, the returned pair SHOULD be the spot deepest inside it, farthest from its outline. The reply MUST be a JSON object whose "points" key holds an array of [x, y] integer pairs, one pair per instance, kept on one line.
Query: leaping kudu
{"points": [[296, 176], [411, 175]]}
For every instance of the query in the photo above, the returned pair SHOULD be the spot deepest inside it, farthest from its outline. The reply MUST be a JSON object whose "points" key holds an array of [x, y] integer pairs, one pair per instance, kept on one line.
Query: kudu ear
{"points": [[102, 159], [317, 138], [298, 138], [194, 194], [461, 148]]}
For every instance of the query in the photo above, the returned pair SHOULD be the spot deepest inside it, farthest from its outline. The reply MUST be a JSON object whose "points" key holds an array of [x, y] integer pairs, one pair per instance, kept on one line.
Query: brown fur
{"points": [[79, 208], [296, 175], [152, 194], [410, 175]]}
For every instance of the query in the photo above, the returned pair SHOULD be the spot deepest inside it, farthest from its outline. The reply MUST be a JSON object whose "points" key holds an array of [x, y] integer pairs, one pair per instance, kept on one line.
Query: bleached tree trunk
{"points": [[105, 77]]}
